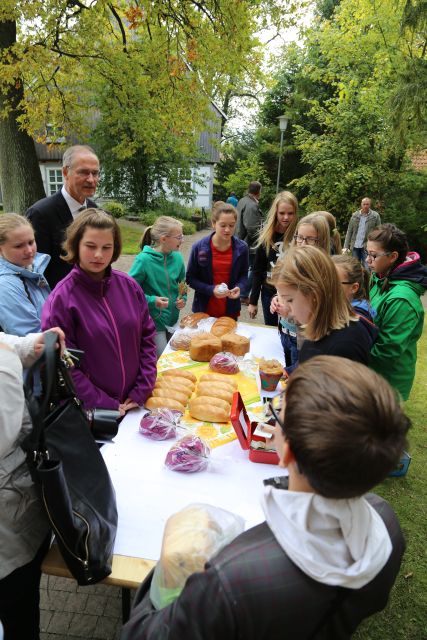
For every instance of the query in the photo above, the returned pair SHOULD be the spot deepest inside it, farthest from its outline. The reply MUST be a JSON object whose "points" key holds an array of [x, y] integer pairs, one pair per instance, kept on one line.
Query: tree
{"points": [[148, 69]]}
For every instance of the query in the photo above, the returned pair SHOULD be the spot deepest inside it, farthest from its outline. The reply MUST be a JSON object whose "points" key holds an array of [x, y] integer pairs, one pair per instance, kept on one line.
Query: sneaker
{"points": [[244, 301]]}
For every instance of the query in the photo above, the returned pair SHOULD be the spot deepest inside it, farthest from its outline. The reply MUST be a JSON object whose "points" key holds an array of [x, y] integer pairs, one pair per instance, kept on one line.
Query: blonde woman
{"points": [[160, 270], [23, 287], [310, 291], [336, 246], [275, 238]]}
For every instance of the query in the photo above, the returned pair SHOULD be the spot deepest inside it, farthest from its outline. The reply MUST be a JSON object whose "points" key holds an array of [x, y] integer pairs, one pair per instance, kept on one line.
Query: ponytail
{"points": [[146, 238]]}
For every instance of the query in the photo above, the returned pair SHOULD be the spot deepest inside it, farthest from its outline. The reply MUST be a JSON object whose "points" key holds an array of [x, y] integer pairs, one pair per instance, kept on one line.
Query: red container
{"points": [[245, 432]]}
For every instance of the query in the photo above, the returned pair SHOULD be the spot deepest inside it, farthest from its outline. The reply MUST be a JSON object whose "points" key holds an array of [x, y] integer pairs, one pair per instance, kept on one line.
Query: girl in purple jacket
{"points": [[104, 313]]}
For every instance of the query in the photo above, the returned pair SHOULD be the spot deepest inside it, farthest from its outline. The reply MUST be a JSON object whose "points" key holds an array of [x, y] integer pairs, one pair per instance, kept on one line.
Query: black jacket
{"points": [[50, 217]]}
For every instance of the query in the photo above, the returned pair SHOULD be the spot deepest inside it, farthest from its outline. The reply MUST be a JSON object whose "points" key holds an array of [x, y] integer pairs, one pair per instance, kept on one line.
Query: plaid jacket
{"points": [[252, 591]]}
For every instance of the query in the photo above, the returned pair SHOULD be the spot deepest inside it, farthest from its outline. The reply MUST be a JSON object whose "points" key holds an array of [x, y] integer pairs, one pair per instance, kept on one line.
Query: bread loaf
{"points": [[209, 409], [233, 343], [180, 373], [160, 402], [163, 392], [192, 319], [176, 381], [217, 390], [223, 325], [225, 379], [180, 341], [203, 347]]}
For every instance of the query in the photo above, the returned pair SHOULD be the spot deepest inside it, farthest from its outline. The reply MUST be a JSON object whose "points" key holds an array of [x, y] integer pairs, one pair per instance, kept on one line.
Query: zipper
{"points": [[84, 562], [116, 333]]}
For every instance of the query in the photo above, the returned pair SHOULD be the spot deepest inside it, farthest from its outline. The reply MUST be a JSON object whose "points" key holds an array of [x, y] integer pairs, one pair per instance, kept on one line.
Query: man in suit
{"points": [[51, 216]]}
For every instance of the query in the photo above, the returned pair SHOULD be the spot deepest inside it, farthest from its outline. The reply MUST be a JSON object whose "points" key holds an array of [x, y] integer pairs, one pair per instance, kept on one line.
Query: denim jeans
{"points": [[290, 350], [360, 254]]}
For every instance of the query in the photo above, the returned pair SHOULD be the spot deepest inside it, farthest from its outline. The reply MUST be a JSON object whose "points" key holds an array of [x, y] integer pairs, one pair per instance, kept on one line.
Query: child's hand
{"points": [[277, 307], [234, 293], [179, 303], [252, 310], [220, 293], [161, 303]]}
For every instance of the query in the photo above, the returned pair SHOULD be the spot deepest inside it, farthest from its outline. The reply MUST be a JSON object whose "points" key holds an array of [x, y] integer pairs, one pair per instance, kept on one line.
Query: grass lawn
{"points": [[131, 235], [406, 614]]}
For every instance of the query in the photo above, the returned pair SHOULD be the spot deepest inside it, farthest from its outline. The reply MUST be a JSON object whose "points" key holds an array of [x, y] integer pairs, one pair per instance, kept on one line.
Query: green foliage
{"points": [[188, 228], [247, 170], [117, 209], [148, 218]]}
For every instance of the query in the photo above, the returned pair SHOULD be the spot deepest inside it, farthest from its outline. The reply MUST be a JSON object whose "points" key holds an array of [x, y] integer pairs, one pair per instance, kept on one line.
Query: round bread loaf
{"points": [[192, 319], [223, 325], [180, 341], [209, 409], [233, 343], [160, 402], [203, 347], [180, 373]]}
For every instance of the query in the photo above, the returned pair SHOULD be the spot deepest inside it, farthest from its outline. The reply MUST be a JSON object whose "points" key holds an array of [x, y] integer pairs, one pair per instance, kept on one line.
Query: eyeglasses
{"points": [[275, 407], [85, 173], [181, 237], [307, 239], [374, 256], [345, 282]]}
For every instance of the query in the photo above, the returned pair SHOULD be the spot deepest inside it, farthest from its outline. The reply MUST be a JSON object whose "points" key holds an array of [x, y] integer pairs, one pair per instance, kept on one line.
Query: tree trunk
{"points": [[20, 178]]}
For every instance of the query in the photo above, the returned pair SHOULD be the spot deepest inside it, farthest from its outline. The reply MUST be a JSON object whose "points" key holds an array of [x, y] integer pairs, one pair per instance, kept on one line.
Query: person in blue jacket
{"points": [[218, 266], [23, 287]]}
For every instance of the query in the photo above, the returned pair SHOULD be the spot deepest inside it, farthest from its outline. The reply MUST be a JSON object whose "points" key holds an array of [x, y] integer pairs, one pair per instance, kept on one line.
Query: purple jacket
{"points": [[109, 321]]}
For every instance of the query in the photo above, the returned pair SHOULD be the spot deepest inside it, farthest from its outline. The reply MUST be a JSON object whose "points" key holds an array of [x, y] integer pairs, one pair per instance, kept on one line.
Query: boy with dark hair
{"points": [[327, 555]]}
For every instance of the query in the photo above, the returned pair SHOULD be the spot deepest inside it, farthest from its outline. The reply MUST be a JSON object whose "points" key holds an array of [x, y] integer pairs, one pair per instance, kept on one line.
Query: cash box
{"points": [[244, 429]]}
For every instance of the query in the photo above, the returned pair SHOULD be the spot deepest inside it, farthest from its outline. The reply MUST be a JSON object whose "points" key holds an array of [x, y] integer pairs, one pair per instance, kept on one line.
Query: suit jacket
{"points": [[50, 217], [252, 591]]}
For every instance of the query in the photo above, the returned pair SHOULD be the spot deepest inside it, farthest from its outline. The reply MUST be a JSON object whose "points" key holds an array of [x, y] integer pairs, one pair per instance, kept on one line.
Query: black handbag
{"points": [[66, 464]]}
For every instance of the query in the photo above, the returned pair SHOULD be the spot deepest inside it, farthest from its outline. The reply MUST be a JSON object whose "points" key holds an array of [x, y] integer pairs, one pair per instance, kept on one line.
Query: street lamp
{"points": [[283, 124]]}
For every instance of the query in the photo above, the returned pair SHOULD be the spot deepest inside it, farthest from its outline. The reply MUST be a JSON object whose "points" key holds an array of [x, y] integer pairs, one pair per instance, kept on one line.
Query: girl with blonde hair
{"points": [[310, 291], [275, 238], [160, 270], [355, 282], [23, 287], [336, 246]]}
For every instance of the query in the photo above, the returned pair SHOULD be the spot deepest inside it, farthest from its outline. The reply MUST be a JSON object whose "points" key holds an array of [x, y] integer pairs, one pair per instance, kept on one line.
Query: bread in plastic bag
{"points": [[224, 362], [191, 538], [188, 455], [160, 424]]}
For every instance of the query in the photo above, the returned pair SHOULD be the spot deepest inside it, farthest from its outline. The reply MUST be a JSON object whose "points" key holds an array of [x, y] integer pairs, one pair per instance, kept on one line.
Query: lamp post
{"points": [[283, 123]]}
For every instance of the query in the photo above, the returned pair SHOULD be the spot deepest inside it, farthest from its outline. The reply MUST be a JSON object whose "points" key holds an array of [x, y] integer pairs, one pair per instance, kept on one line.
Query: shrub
{"points": [[148, 217], [188, 228], [117, 209]]}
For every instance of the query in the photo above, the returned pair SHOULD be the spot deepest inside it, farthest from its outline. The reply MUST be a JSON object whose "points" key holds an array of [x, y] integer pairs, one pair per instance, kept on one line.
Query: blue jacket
{"points": [[109, 320], [22, 295], [200, 273]]}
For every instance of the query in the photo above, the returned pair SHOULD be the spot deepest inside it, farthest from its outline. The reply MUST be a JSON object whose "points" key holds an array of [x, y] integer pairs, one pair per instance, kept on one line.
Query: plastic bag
{"points": [[224, 362], [188, 455], [191, 538], [160, 424]]}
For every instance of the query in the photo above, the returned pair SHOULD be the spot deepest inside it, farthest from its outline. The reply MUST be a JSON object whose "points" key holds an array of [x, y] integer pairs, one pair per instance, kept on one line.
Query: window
{"points": [[55, 181]]}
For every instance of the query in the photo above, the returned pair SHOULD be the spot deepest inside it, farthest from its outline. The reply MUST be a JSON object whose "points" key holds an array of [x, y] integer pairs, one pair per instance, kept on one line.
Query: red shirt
{"points": [[221, 267]]}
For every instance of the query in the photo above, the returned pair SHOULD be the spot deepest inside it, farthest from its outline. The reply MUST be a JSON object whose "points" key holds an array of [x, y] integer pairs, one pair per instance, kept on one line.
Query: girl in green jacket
{"points": [[398, 281], [160, 270]]}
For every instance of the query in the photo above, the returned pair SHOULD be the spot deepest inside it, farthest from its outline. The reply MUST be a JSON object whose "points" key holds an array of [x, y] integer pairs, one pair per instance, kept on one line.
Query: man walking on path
{"points": [[361, 223], [51, 216], [247, 229]]}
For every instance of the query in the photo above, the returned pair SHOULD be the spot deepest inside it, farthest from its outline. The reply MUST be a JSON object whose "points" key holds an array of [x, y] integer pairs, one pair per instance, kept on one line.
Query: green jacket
{"points": [[399, 318], [159, 274]]}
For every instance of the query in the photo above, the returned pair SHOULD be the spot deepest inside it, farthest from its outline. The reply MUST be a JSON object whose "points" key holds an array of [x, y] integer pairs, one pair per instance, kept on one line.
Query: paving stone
{"points": [[106, 628], [52, 599], [113, 607], [66, 584], [60, 622], [83, 625], [96, 604], [45, 618], [76, 602]]}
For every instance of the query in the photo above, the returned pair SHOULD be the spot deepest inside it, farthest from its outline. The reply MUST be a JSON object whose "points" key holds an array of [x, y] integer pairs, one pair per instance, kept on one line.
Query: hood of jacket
{"points": [[336, 542], [411, 271], [41, 260]]}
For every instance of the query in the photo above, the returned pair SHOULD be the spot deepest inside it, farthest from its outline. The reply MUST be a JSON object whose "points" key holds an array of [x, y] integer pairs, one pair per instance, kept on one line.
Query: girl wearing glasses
{"points": [[398, 281], [312, 230], [160, 270], [218, 259], [274, 240], [355, 282], [309, 290]]}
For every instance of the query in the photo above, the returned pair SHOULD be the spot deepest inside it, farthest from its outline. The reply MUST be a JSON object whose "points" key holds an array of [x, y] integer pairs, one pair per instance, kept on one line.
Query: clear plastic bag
{"points": [[191, 538], [160, 424], [188, 455], [224, 362]]}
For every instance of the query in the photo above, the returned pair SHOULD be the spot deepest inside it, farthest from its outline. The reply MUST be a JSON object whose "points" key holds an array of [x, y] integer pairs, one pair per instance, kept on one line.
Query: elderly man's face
{"points": [[365, 205], [81, 178]]}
